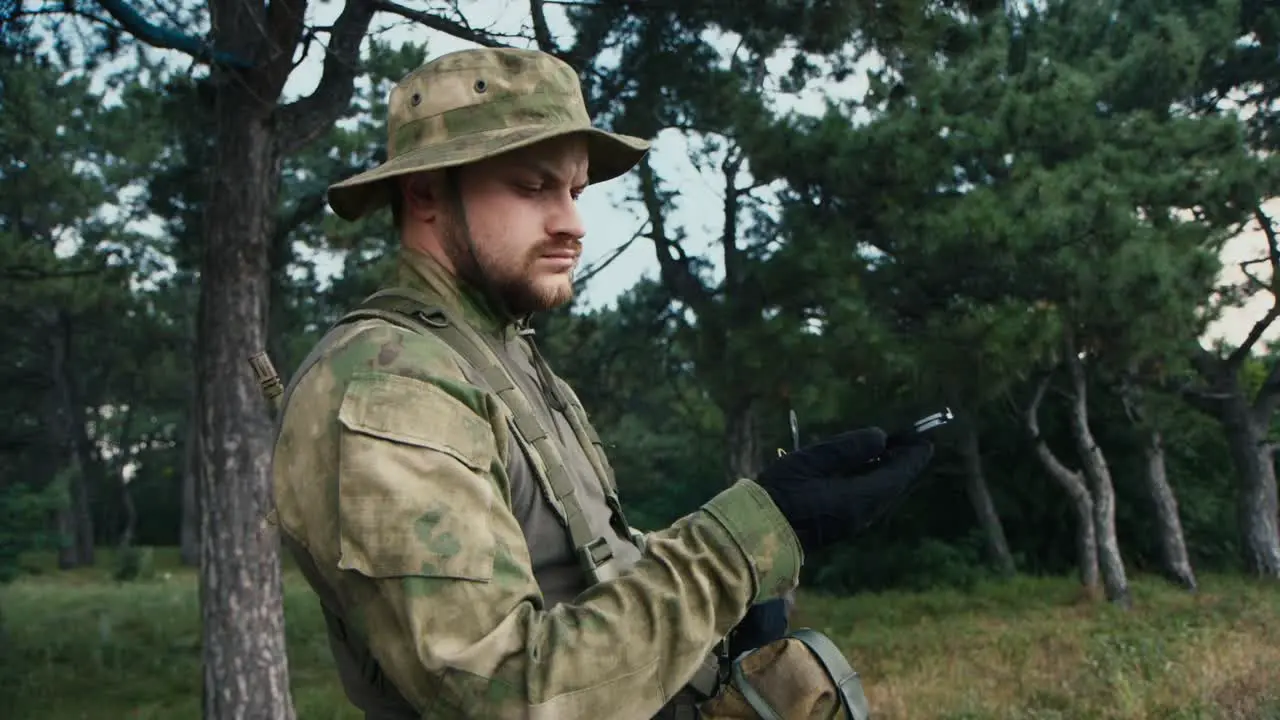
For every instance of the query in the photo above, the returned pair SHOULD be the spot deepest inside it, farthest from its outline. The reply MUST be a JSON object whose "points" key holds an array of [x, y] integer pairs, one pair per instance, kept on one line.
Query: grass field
{"points": [[79, 645]]}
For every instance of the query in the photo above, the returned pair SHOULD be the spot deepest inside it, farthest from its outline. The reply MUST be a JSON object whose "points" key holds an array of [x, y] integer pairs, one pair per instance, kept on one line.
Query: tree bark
{"points": [[1245, 425], [74, 520], [190, 550], [130, 514], [125, 441], [1073, 482], [68, 551], [245, 665], [742, 442], [1257, 505], [1173, 547], [92, 473], [980, 497], [1096, 470]]}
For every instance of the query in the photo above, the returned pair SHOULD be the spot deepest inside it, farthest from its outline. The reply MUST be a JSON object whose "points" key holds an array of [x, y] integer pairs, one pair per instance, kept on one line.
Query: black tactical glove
{"points": [[830, 490], [764, 623]]}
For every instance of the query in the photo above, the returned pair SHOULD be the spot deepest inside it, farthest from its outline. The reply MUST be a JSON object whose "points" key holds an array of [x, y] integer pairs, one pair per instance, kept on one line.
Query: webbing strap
{"points": [[749, 693], [842, 674], [849, 692], [588, 437], [398, 304]]}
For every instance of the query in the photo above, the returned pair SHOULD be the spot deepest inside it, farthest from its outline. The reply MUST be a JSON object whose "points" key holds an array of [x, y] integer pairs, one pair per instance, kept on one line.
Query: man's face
{"points": [[521, 210]]}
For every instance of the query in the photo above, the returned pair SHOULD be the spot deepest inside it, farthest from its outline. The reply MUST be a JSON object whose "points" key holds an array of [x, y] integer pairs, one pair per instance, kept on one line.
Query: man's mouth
{"points": [[562, 258]]}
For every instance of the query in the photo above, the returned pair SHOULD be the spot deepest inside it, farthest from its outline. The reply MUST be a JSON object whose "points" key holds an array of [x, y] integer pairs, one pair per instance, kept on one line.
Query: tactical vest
{"points": [[413, 311]]}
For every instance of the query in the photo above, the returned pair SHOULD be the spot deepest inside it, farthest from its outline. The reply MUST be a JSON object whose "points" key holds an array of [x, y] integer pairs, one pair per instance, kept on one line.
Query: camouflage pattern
{"points": [[398, 485], [470, 105], [789, 678]]}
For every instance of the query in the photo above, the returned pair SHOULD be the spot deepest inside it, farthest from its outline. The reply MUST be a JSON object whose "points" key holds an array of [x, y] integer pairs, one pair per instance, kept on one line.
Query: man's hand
{"points": [[833, 489], [764, 623]]}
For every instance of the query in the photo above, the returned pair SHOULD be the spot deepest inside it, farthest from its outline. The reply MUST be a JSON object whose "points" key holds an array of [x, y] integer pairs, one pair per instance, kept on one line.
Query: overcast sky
{"points": [[610, 220]]}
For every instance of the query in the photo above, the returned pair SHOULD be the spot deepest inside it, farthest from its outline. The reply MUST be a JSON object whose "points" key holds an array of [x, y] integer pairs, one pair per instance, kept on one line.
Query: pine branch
{"points": [[306, 118], [541, 31], [436, 22], [168, 39], [1236, 359], [673, 263]]}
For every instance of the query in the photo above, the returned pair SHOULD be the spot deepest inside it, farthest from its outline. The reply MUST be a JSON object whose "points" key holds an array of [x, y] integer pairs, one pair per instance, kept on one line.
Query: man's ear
{"points": [[419, 197]]}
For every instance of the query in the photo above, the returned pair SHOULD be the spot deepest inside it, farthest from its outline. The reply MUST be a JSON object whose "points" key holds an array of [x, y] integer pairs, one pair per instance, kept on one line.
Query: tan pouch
{"points": [[800, 677]]}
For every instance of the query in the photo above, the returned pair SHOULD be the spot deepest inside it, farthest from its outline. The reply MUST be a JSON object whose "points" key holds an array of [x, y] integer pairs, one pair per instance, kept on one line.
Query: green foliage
{"points": [[921, 565], [924, 244], [74, 329], [134, 562], [24, 513]]}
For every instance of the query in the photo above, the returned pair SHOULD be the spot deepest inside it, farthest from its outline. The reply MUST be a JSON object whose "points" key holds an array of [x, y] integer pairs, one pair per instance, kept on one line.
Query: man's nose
{"points": [[565, 220]]}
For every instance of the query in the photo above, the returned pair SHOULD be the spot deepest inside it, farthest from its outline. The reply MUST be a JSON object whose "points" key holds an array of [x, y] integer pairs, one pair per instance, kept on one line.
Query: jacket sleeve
{"points": [[444, 590]]}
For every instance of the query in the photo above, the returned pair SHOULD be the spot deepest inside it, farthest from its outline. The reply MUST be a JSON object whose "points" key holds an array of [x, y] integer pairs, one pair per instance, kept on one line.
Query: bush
{"points": [[134, 563], [920, 565]]}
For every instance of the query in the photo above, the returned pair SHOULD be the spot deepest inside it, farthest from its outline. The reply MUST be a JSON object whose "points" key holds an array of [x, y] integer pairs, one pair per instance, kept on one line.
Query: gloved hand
{"points": [[830, 490], [764, 623]]}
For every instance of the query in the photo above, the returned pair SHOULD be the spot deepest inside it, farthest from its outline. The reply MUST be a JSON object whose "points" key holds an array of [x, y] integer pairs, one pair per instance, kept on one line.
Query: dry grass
{"points": [[81, 646], [1032, 649]]}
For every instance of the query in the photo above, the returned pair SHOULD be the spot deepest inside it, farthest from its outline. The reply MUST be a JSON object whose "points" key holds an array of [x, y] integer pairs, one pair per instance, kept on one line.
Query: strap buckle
{"points": [[597, 561]]}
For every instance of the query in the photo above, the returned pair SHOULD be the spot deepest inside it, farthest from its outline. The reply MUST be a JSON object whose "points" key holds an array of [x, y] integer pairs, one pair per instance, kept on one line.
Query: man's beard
{"points": [[507, 280]]}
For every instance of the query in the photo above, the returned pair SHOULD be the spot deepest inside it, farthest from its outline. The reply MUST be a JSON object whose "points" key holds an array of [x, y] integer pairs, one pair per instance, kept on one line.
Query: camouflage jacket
{"points": [[448, 583]]}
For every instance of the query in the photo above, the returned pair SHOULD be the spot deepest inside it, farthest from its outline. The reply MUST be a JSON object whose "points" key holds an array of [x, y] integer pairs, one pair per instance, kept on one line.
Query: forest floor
{"points": [[79, 645]]}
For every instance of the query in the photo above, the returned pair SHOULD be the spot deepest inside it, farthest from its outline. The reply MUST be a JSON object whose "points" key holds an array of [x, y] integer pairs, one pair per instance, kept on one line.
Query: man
{"points": [[444, 492]]}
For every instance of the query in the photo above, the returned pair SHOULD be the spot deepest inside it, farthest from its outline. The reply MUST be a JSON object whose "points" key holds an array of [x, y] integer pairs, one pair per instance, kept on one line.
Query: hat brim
{"points": [[609, 155]]}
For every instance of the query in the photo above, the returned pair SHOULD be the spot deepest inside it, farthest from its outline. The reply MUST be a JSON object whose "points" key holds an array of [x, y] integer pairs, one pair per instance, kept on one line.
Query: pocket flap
{"points": [[414, 495]]}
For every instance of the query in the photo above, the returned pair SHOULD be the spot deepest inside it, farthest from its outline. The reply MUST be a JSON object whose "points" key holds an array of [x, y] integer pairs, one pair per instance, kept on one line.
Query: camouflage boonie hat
{"points": [[471, 105]]}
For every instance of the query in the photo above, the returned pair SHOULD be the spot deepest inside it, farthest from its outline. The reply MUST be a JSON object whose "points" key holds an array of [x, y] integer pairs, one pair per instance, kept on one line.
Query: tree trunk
{"points": [[1173, 548], [121, 470], [68, 550], [74, 519], [245, 667], [190, 550], [1086, 529], [130, 514], [980, 497], [92, 475], [1077, 490], [742, 441], [82, 519], [1246, 435], [254, 49], [1114, 579]]}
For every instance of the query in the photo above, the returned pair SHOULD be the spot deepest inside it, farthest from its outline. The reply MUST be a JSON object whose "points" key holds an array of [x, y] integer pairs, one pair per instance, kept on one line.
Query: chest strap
{"points": [[407, 309]]}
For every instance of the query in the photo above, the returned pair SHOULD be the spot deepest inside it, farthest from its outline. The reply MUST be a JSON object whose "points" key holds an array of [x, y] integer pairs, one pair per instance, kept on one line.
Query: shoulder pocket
{"points": [[414, 498]]}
